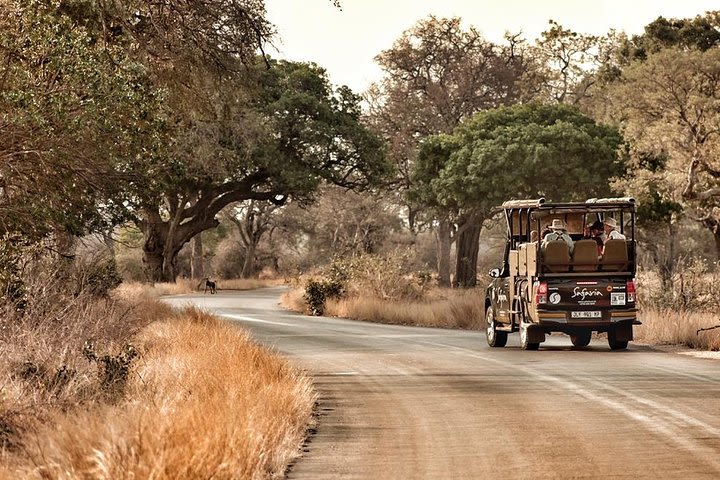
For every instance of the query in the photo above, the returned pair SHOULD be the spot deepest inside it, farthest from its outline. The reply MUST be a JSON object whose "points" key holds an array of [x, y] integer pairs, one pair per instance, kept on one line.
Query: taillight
{"points": [[541, 290], [630, 289]]}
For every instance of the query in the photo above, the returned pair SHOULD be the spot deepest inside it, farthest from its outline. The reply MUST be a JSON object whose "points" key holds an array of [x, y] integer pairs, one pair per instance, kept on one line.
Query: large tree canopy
{"points": [[437, 74], [280, 135], [670, 109], [75, 114], [524, 151]]}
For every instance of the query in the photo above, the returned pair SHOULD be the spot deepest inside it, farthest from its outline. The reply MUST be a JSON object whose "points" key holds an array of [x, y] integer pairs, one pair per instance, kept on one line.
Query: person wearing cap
{"points": [[594, 232], [610, 226], [558, 232]]}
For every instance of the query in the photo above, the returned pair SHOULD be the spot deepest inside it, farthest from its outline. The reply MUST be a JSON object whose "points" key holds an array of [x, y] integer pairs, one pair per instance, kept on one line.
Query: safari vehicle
{"points": [[540, 290]]}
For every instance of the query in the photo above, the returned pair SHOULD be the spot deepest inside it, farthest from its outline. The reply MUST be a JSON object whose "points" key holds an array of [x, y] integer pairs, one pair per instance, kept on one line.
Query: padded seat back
{"points": [[615, 256], [556, 256], [585, 256]]}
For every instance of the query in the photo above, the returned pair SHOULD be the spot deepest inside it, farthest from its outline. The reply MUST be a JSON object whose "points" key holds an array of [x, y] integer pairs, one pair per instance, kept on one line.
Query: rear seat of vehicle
{"points": [[615, 256], [585, 256], [557, 258]]}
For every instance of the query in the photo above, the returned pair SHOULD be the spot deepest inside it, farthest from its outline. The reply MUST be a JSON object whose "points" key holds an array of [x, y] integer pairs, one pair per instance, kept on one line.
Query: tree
{"points": [[74, 114], [700, 33], [253, 219], [279, 139], [436, 75], [565, 66], [337, 223], [670, 107], [524, 151]]}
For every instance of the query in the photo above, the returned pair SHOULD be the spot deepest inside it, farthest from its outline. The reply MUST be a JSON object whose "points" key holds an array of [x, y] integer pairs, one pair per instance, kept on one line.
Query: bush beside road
{"points": [[160, 394]]}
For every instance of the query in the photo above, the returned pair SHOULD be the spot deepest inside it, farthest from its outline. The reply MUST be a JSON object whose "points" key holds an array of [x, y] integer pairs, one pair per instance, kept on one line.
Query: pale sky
{"points": [[346, 41]]}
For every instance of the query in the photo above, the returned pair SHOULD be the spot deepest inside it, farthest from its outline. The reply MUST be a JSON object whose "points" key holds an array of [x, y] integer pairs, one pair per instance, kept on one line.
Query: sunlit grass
{"points": [[203, 402], [668, 327], [443, 308]]}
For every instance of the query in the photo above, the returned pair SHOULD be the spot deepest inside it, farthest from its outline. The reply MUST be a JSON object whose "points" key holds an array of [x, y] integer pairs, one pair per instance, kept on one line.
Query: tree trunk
{"points": [[249, 263], [197, 271], [468, 244], [160, 248], [443, 256], [154, 234], [170, 262]]}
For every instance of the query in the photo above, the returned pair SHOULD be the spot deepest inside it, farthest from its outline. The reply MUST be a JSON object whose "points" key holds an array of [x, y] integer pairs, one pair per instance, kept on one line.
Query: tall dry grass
{"points": [[444, 308], [140, 290], [672, 327], [205, 402], [200, 400]]}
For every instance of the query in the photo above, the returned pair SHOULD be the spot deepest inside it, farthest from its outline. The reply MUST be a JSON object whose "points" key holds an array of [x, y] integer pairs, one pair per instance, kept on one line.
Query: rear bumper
{"points": [[609, 317]]}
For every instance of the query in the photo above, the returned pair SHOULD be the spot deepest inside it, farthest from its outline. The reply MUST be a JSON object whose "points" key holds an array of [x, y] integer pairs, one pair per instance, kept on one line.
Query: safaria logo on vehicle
{"points": [[555, 298], [585, 296]]}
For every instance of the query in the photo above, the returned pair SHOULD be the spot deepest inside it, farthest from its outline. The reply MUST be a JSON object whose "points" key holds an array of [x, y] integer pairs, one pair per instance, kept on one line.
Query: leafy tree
{"points": [[243, 128], [524, 151], [293, 132], [436, 75], [670, 107], [700, 33], [75, 113]]}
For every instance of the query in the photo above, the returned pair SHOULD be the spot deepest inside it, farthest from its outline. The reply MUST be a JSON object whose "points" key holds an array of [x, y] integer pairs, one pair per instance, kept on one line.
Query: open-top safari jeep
{"points": [[553, 289]]}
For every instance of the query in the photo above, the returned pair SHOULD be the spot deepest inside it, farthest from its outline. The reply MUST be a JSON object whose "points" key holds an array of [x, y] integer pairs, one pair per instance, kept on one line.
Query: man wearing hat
{"points": [[558, 232], [610, 226]]}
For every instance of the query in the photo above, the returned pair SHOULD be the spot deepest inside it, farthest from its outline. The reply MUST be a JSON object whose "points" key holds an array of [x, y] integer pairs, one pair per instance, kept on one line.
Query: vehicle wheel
{"points": [[614, 343], [494, 338], [581, 339], [525, 343]]}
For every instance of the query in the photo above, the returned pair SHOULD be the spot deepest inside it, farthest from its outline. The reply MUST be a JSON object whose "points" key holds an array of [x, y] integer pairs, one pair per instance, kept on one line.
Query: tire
{"points": [[525, 344], [494, 338], [614, 343], [581, 339]]}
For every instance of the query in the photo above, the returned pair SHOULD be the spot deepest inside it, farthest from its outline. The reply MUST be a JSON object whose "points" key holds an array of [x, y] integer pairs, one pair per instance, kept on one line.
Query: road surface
{"points": [[416, 403]]}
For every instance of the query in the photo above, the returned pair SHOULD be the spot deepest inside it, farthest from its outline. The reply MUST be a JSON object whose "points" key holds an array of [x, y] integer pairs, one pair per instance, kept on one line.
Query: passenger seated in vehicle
{"points": [[610, 226], [558, 232], [594, 232]]}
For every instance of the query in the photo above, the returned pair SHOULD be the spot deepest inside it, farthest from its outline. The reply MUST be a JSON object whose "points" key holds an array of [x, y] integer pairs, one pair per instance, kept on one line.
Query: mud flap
{"points": [[535, 334], [624, 332]]}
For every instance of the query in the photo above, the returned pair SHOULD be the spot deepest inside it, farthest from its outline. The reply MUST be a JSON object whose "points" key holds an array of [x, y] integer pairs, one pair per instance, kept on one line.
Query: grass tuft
{"points": [[203, 402], [670, 327]]}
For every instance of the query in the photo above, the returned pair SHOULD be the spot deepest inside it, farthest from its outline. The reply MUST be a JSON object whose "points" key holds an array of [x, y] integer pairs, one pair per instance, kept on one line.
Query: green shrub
{"points": [[318, 291]]}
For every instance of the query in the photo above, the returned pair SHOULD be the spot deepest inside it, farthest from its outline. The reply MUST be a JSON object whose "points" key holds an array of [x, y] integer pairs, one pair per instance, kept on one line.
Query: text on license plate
{"points": [[586, 314]]}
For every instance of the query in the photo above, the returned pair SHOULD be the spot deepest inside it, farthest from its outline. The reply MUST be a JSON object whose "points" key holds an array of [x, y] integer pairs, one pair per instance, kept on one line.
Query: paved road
{"points": [[416, 403]]}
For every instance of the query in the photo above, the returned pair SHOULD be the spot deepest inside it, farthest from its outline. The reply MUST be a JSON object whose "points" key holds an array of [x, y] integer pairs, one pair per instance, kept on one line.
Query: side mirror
{"points": [[495, 273]]}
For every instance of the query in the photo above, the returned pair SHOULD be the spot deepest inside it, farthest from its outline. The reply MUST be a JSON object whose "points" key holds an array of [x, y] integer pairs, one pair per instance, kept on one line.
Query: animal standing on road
{"points": [[209, 284]]}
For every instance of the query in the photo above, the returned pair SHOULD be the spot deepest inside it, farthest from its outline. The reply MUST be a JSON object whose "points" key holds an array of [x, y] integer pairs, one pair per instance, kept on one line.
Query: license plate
{"points": [[586, 314]]}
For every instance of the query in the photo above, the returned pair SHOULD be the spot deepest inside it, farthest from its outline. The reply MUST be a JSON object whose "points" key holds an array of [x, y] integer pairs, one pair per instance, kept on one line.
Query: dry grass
{"points": [[133, 291], [668, 327], [245, 283], [205, 403], [443, 308], [201, 401]]}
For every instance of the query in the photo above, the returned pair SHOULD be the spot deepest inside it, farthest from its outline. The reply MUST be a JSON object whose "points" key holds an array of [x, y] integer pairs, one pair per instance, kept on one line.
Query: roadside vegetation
{"points": [[148, 144], [106, 382], [681, 311]]}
